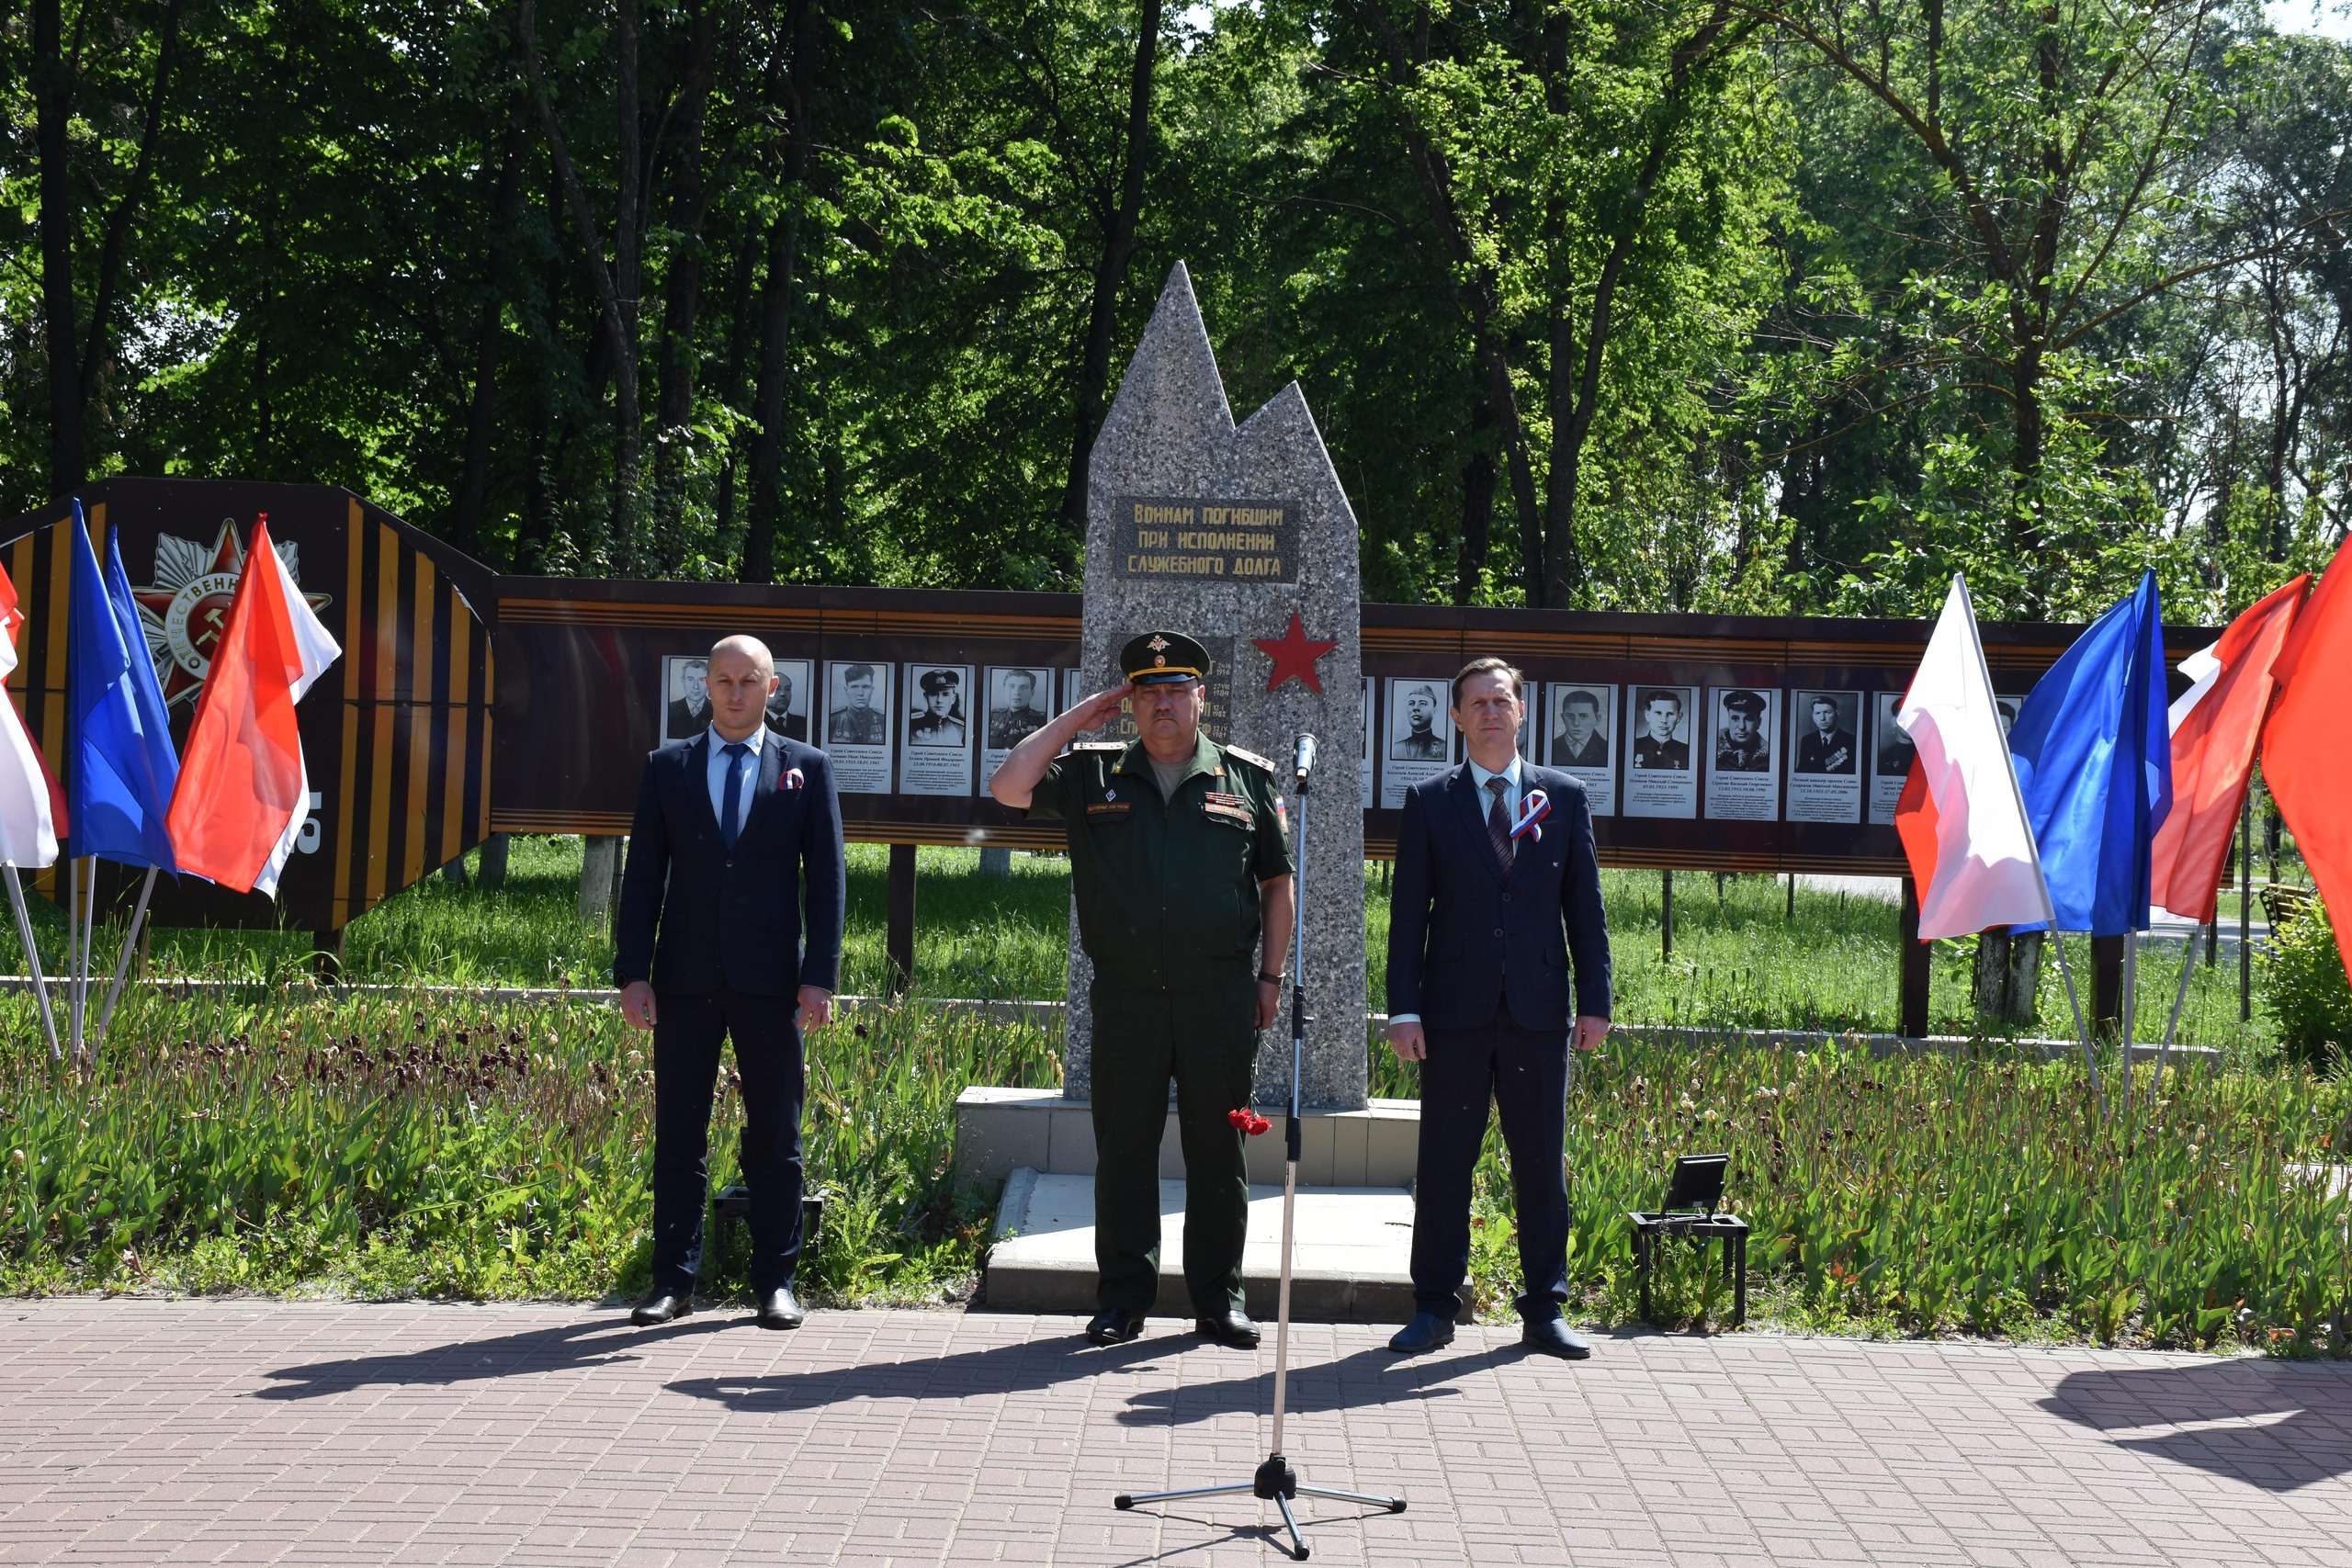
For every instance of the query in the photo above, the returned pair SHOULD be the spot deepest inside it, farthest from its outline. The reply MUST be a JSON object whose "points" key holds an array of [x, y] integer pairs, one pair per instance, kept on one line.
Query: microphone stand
{"points": [[1275, 1482]]}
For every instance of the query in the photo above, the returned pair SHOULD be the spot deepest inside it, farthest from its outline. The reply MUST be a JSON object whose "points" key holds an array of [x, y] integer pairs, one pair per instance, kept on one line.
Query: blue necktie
{"points": [[732, 799]]}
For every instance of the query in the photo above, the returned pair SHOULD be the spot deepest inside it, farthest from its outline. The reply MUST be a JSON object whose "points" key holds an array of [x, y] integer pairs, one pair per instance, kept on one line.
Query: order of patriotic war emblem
{"points": [[185, 608]]}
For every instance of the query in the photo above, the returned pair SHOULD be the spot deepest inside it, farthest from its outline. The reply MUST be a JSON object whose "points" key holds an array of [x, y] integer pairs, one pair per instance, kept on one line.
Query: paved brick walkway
{"points": [[144, 1432]]}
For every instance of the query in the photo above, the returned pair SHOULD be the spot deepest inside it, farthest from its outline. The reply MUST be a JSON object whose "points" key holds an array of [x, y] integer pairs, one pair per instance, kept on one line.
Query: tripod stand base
{"points": [[1275, 1482]]}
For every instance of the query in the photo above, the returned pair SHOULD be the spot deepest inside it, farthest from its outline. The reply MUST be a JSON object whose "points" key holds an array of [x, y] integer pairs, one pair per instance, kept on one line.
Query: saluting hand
{"points": [[1101, 708]]}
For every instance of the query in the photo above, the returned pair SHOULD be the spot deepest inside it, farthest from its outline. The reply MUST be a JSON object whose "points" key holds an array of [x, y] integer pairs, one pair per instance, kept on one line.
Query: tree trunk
{"points": [[682, 301], [739, 315], [1435, 174], [110, 258], [1479, 479], [1572, 415], [628, 231], [473, 485], [52, 109], [1110, 275], [775, 305]]}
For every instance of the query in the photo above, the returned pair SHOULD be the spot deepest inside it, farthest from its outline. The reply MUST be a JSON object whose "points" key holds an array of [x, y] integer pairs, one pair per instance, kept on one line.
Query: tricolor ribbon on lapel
{"points": [[1537, 806], [791, 780]]}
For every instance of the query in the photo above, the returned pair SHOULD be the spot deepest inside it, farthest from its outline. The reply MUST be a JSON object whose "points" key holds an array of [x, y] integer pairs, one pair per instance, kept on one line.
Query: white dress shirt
{"points": [[749, 764], [1478, 777]]}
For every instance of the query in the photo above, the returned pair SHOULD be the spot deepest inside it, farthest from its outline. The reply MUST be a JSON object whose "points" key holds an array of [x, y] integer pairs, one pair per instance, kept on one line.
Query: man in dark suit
{"points": [[781, 718], [1827, 749], [689, 713], [1578, 744], [730, 928], [1481, 927]]}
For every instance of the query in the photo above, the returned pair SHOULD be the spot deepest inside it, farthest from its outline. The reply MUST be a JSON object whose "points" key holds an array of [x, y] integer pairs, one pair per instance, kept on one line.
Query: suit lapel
{"points": [[1472, 814], [698, 768]]}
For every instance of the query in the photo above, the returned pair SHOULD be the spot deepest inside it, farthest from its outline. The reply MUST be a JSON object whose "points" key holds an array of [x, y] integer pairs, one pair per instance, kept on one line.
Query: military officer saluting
{"points": [[1181, 864]]}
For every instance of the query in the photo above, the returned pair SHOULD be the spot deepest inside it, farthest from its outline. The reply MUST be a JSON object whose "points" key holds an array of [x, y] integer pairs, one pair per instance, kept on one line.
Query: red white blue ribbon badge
{"points": [[1533, 809]]}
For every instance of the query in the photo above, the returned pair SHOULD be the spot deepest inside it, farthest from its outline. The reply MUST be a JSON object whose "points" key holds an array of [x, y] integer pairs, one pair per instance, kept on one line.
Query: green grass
{"points": [[284, 1140]]}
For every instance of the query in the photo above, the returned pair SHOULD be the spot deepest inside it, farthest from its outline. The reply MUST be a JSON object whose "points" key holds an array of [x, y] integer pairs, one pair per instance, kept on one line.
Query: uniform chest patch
{"points": [[1098, 809], [1233, 809]]}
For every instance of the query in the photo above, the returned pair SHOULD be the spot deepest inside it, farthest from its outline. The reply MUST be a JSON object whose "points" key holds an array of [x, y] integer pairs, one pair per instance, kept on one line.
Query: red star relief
{"points": [[208, 579], [1293, 654]]}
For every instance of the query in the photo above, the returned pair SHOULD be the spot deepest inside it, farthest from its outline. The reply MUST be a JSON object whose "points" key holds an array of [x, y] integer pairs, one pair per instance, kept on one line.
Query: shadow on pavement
{"points": [[594, 1342], [1357, 1382], [2304, 1415], [1363, 1380]]}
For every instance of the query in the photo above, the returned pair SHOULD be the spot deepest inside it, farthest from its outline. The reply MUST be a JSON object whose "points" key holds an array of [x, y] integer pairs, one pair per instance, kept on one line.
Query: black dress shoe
{"points": [[1552, 1336], [1115, 1327], [780, 1308], [1427, 1331], [1233, 1329], [661, 1307]]}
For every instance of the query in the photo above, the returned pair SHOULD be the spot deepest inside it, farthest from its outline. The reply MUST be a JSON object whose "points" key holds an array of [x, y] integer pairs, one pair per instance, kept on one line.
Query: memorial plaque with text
{"points": [[1238, 541]]}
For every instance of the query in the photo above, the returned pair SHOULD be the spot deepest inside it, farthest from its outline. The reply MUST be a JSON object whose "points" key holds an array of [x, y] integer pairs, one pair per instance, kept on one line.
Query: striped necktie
{"points": [[1498, 824]]}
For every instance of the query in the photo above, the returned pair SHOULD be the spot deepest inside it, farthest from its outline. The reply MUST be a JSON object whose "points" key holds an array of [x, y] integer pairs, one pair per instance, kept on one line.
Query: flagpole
{"points": [[72, 951], [2130, 1008], [2033, 846], [90, 946], [2181, 999], [123, 964], [32, 958]]}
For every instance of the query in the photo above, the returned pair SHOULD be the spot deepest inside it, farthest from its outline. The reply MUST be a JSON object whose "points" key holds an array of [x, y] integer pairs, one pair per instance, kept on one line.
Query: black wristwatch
{"points": [[1266, 979]]}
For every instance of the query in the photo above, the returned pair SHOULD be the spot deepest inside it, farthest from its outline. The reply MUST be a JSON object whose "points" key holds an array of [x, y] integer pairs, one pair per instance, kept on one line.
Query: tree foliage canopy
{"points": [[1647, 304]]}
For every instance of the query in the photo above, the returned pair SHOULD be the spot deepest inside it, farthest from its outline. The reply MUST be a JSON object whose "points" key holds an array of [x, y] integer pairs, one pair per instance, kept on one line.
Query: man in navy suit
{"points": [[730, 928], [1480, 934]]}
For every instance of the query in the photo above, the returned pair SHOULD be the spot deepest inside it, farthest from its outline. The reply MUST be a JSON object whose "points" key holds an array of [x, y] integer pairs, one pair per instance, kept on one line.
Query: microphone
{"points": [[1303, 763]]}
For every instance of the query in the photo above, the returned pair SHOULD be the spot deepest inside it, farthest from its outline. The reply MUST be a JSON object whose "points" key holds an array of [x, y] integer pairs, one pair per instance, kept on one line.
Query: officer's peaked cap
{"points": [[1160, 657]]}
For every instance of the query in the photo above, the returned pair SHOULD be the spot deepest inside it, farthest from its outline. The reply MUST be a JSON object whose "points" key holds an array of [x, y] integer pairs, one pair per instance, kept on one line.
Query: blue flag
{"points": [[2094, 758], [120, 768]]}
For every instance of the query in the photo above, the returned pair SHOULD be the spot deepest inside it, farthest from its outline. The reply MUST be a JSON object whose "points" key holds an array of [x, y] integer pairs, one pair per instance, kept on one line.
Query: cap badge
{"points": [[1158, 645]]}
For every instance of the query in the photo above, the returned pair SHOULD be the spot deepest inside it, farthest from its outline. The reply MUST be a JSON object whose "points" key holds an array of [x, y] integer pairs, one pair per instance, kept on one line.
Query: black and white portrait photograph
{"points": [[1418, 742], [938, 711], [936, 756], [1743, 753], [794, 694], [1579, 718], [1826, 725], [1891, 754], [1659, 778], [1019, 703], [1825, 757], [685, 697], [1420, 728], [857, 723], [1581, 726]]}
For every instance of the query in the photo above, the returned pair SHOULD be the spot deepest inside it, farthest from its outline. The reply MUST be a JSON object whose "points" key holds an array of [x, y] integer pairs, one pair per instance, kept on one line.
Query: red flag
{"points": [[2306, 745], [2214, 726], [243, 791]]}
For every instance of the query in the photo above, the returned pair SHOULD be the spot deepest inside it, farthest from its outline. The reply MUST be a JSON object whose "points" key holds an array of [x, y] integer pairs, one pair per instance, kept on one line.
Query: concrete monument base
{"points": [[998, 1130], [1352, 1263]]}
